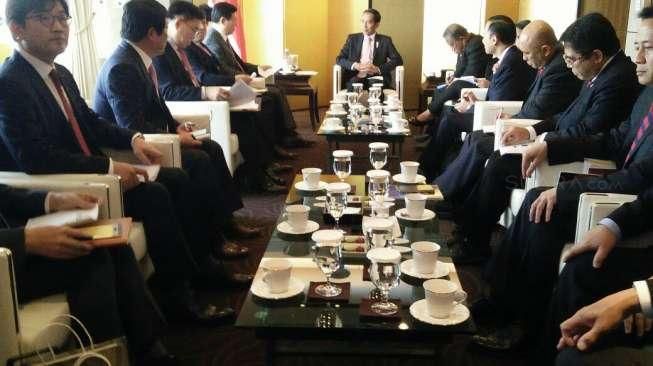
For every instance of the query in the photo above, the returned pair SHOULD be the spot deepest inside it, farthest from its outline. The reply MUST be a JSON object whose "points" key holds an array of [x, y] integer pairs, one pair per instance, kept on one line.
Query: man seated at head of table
{"points": [[368, 54]]}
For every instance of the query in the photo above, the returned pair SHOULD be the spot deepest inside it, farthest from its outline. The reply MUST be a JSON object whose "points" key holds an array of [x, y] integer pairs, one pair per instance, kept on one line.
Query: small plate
{"points": [[401, 241], [260, 289], [426, 215], [408, 268], [401, 249], [400, 178], [301, 186], [284, 227], [403, 130], [459, 314], [337, 129]]}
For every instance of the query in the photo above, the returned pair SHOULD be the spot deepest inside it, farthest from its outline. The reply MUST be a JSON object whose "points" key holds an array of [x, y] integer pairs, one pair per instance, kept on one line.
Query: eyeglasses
{"points": [[48, 20], [572, 60]]}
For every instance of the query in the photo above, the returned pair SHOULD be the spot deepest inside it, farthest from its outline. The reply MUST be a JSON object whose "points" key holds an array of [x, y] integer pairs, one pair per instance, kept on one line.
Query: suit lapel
{"points": [[358, 46], [378, 55]]}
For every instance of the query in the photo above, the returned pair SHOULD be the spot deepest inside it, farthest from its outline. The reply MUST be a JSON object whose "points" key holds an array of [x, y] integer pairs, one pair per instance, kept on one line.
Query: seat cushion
{"points": [[35, 315], [137, 240]]}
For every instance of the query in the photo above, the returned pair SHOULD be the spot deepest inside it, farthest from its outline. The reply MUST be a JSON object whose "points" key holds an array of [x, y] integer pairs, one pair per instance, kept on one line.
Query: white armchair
{"points": [[399, 82], [214, 117]]}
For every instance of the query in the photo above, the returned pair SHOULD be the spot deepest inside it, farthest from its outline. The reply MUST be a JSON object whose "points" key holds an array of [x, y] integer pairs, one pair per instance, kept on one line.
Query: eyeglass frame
{"points": [[47, 20], [571, 61]]}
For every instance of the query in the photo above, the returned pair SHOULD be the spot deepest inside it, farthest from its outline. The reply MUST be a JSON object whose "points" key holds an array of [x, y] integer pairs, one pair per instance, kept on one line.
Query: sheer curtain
{"points": [[85, 64]]}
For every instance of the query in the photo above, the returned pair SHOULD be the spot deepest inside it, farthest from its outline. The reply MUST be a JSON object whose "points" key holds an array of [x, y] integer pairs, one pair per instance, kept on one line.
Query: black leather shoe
{"points": [[182, 305], [280, 168], [268, 186], [214, 273], [232, 250], [503, 338], [297, 141], [236, 229], [274, 178], [284, 154]]}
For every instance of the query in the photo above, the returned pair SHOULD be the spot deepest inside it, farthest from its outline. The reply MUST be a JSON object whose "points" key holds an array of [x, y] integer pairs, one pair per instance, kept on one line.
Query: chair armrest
{"points": [[167, 144], [593, 207], [9, 324], [400, 81], [485, 113], [479, 93], [337, 80], [107, 187]]}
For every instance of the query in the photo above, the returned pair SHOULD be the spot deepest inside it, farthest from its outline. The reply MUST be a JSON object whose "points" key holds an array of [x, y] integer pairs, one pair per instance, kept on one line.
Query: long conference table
{"points": [[299, 329]]}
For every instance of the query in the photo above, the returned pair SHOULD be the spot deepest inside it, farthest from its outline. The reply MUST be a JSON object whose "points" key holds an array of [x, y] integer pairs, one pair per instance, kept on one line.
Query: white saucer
{"points": [[301, 185], [403, 130], [401, 249], [426, 215], [336, 113], [401, 241], [284, 227], [400, 178], [337, 129], [407, 267], [260, 289], [459, 314]]}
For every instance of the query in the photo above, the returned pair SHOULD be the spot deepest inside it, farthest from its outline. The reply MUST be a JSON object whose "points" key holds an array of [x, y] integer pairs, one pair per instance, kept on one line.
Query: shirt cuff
{"points": [[353, 66], [46, 203], [137, 135], [644, 296], [612, 226], [531, 132], [110, 166], [203, 92]]}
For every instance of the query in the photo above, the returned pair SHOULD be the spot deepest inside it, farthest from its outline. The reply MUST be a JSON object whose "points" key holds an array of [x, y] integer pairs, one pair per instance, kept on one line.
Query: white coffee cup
{"points": [[409, 170], [257, 83], [332, 123], [336, 107], [276, 274], [297, 216], [425, 256], [342, 98], [399, 124], [441, 297], [394, 115], [312, 177], [415, 203]]}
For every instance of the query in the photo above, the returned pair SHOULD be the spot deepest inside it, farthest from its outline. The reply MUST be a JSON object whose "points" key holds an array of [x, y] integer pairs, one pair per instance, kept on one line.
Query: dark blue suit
{"points": [[511, 81], [598, 108], [126, 95], [386, 58], [207, 67]]}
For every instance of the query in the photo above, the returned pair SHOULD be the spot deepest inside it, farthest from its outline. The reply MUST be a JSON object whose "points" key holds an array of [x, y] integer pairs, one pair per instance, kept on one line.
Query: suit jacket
{"points": [[36, 136], [16, 206], [512, 79], [634, 218], [552, 92], [600, 107], [634, 176], [229, 61], [125, 94], [207, 68], [174, 82], [386, 56], [473, 60]]}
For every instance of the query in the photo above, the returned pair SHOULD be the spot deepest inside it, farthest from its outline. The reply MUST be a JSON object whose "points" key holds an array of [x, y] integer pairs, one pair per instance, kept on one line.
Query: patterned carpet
{"points": [[228, 345]]}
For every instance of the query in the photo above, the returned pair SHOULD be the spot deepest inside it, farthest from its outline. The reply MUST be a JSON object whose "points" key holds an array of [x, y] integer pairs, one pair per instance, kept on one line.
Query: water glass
{"points": [[376, 115], [384, 272], [378, 184], [378, 154], [352, 98], [342, 163], [358, 89], [327, 254], [336, 200]]}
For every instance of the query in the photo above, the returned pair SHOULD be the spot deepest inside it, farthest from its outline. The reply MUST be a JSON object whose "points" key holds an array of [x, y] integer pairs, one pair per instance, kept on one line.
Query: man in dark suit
{"points": [[274, 105], [178, 82], [46, 127], [471, 57], [368, 54], [609, 91], [525, 263], [127, 95], [110, 299], [553, 90], [511, 81]]}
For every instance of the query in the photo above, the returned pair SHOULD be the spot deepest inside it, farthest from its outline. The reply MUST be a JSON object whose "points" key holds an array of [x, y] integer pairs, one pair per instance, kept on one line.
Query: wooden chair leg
{"points": [[311, 106]]}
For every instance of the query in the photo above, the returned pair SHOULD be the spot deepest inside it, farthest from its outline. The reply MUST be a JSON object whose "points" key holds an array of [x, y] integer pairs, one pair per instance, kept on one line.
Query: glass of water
{"points": [[375, 93], [327, 255], [378, 184], [378, 154], [355, 114], [376, 115], [336, 200], [358, 89], [342, 163], [384, 273], [352, 98]]}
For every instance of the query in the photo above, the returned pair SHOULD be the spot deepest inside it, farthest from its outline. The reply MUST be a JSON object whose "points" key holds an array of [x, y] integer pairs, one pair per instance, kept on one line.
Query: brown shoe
{"points": [[233, 250]]}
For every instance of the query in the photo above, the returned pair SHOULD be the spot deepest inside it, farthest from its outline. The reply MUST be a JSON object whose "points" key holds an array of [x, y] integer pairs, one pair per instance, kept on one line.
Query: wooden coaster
{"points": [[343, 297], [365, 311]]}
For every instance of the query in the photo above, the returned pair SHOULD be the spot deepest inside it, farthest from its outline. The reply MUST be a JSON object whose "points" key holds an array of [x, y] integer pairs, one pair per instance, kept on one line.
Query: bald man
{"points": [[554, 89]]}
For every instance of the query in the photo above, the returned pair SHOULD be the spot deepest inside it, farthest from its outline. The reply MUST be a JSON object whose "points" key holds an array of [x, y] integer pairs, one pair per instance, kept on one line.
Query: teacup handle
{"points": [[459, 296], [264, 277]]}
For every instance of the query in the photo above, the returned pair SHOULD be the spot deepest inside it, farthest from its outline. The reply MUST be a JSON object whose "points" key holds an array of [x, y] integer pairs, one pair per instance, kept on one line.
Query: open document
{"points": [[65, 218], [240, 94]]}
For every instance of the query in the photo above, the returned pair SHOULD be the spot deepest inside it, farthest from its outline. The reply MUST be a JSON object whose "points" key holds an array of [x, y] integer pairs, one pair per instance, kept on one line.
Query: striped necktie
{"points": [[646, 122]]}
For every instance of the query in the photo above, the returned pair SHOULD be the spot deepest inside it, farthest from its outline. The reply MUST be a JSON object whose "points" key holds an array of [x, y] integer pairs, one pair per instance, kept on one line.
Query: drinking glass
{"points": [[358, 89], [378, 154], [327, 257], [375, 92], [342, 163], [384, 272], [378, 185], [376, 115], [352, 98], [355, 114], [336, 200]]}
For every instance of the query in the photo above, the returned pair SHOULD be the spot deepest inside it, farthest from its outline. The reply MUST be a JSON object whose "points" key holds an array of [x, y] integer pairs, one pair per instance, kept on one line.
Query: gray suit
{"points": [[230, 62]]}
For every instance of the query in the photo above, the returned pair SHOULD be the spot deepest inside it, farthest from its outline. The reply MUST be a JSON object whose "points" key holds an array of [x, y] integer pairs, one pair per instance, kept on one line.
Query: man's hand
{"points": [[482, 82], [469, 96], [599, 239], [129, 174], [543, 204], [146, 153], [244, 78], [463, 106], [63, 201], [585, 327], [515, 135], [186, 138], [59, 242], [217, 94], [262, 68], [535, 154]]}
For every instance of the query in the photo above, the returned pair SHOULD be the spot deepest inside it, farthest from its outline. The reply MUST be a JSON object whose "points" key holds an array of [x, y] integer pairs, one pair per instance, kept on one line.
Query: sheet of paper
{"points": [[469, 79], [271, 71], [61, 218], [241, 93], [152, 172]]}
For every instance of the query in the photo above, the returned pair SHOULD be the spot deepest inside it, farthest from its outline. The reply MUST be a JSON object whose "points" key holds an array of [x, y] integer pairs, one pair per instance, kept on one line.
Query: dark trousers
{"points": [[607, 356], [450, 92], [445, 141], [581, 284], [254, 143], [461, 175], [524, 269], [489, 197], [105, 290]]}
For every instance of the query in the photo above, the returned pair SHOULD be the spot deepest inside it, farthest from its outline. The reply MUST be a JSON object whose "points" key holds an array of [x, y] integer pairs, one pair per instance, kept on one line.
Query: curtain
{"points": [[85, 65]]}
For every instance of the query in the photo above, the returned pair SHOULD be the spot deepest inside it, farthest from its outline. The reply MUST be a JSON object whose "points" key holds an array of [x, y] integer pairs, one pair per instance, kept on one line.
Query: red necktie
{"points": [[189, 69], [640, 132], [155, 80], [540, 71], [70, 115]]}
